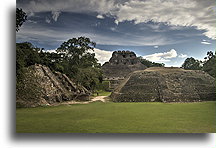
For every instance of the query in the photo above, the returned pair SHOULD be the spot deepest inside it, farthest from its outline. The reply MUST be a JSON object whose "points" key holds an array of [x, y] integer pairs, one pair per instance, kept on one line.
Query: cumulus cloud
{"points": [[161, 57], [102, 55]]}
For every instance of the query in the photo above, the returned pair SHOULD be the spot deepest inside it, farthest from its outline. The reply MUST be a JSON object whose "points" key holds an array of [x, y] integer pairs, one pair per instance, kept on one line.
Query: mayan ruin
{"points": [[119, 66], [167, 84], [55, 87]]}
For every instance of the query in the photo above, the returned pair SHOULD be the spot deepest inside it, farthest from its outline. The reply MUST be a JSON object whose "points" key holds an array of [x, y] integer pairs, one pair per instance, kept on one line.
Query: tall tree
{"points": [[21, 17], [192, 64], [79, 63]]}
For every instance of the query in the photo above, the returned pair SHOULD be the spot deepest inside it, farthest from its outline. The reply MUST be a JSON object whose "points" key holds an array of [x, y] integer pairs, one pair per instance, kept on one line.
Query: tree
{"points": [[192, 64], [21, 17], [26, 55], [76, 47], [150, 64], [80, 64], [210, 64], [52, 60]]}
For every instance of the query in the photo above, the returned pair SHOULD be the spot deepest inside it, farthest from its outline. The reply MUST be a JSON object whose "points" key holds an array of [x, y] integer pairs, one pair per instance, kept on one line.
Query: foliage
{"points": [[88, 77], [210, 64], [72, 58], [150, 64], [192, 64], [119, 118], [52, 60], [78, 63], [27, 87], [26, 55], [21, 17], [103, 86]]}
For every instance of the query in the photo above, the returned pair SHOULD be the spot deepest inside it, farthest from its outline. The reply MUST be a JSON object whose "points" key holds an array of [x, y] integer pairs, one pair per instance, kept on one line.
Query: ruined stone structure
{"points": [[166, 85], [55, 87], [119, 66]]}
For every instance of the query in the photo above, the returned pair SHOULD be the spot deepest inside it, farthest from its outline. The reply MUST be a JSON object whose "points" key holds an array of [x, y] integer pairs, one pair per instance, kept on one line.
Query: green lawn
{"points": [[119, 118], [101, 93]]}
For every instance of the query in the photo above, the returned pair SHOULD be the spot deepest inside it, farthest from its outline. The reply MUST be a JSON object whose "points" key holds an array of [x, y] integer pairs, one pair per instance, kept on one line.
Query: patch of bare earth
{"points": [[98, 98]]}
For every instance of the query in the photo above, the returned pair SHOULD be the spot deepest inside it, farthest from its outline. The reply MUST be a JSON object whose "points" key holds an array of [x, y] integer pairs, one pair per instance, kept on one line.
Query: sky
{"points": [[164, 31]]}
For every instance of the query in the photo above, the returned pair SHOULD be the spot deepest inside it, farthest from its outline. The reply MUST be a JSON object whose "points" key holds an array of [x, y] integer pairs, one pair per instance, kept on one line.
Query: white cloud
{"points": [[100, 16], [102, 55], [182, 56], [102, 6], [51, 51], [155, 46], [186, 13], [200, 14], [161, 57], [116, 22], [189, 13], [55, 15], [205, 42]]}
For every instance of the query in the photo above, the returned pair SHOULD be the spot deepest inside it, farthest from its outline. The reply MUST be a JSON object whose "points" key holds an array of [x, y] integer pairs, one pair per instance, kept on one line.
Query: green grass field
{"points": [[101, 93], [111, 117]]}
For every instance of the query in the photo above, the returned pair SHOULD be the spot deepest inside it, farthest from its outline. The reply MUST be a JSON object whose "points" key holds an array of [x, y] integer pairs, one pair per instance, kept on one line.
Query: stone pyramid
{"points": [[166, 84]]}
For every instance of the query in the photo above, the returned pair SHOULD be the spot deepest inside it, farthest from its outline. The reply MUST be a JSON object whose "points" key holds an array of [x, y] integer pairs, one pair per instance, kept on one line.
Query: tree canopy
{"points": [[79, 63], [150, 64], [192, 64], [208, 65], [72, 58]]}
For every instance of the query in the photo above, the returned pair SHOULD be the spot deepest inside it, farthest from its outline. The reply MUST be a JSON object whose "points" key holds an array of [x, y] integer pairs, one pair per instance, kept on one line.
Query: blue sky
{"points": [[165, 31]]}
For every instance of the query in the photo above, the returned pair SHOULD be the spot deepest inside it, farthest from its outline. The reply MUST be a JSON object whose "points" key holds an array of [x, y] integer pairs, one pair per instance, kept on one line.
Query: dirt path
{"points": [[98, 98]]}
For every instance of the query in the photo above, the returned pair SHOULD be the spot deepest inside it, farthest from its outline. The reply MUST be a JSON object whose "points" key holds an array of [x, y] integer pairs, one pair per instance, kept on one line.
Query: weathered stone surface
{"points": [[120, 65], [166, 85], [55, 87]]}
